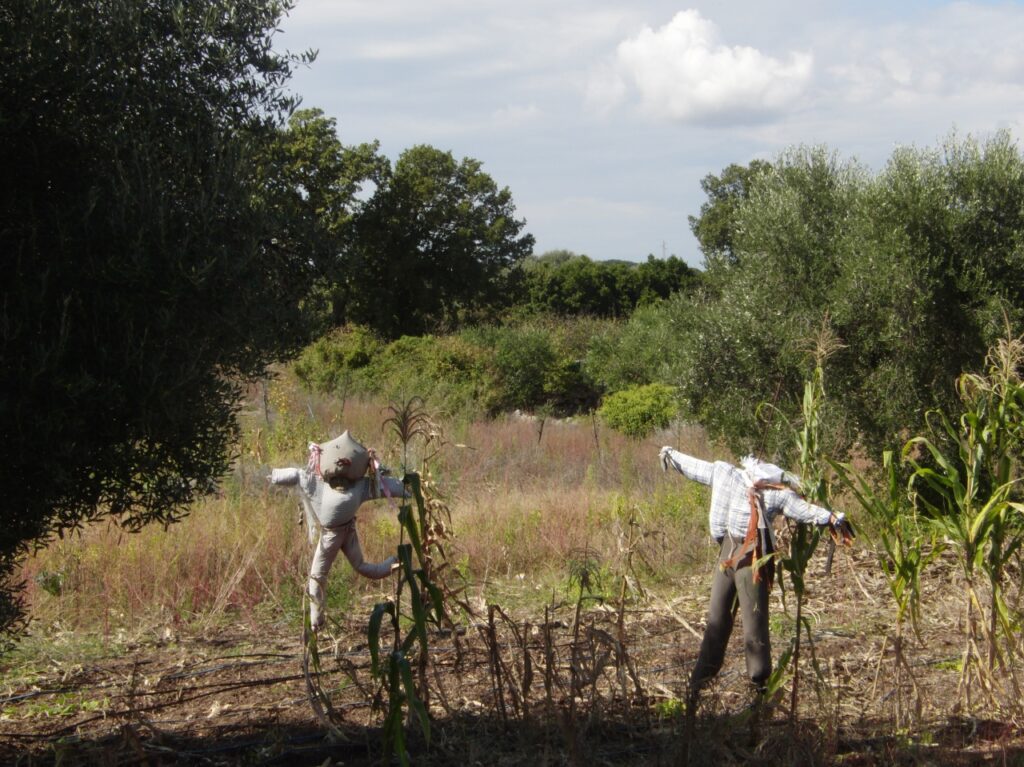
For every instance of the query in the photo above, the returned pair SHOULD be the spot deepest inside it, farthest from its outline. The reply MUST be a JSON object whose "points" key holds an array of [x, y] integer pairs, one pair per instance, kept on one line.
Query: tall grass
{"points": [[233, 554], [521, 505]]}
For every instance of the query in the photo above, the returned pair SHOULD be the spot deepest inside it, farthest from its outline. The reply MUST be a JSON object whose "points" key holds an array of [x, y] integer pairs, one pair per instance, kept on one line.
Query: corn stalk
{"points": [[394, 670], [904, 549], [968, 493], [814, 488]]}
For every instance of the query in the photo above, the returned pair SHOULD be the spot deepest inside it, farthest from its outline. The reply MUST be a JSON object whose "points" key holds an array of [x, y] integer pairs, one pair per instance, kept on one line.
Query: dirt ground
{"points": [[540, 687]]}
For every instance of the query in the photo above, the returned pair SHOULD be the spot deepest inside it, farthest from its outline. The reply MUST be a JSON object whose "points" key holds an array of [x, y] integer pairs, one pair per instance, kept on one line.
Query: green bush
{"points": [[641, 350], [537, 365], [329, 363], [638, 411], [523, 357], [487, 369], [446, 371]]}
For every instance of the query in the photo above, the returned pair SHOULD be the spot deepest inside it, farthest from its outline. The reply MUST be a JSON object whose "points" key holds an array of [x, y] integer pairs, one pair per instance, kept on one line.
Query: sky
{"points": [[603, 117]]}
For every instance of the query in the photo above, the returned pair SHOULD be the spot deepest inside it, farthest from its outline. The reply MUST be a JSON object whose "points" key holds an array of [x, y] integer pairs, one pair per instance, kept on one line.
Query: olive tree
{"points": [[743, 341], [147, 273], [916, 270]]}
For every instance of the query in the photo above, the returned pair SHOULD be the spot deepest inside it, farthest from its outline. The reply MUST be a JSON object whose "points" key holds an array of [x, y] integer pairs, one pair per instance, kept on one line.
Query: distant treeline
{"points": [[565, 284]]}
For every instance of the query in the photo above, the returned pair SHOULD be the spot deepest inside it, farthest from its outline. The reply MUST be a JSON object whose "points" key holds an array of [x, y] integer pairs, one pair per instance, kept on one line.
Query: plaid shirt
{"points": [[730, 502]]}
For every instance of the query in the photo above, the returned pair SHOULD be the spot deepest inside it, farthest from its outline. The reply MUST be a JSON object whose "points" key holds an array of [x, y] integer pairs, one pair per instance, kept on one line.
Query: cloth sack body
{"points": [[334, 507]]}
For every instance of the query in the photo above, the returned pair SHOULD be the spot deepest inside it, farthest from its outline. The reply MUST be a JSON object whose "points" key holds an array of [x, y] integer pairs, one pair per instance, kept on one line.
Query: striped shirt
{"points": [[730, 501]]}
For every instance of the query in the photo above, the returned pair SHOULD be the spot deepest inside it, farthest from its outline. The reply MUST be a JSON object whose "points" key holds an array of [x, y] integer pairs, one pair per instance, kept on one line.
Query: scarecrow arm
{"points": [[288, 476], [687, 465]]}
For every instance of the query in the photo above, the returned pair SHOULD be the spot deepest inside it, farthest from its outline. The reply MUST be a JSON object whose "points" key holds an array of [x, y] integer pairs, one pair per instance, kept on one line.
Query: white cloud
{"points": [[516, 115], [959, 50], [435, 46], [682, 71]]}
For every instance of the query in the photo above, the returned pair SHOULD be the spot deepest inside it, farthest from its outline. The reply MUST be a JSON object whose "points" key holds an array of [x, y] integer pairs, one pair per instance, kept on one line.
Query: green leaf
{"points": [[418, 611], [373, 633], [408, 522], [413, 699]]}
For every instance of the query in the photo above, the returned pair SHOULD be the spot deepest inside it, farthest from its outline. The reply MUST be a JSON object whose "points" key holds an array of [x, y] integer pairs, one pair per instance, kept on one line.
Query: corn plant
{"points": [[814, 488], [968, 492], [904, 548], [394, 670]]}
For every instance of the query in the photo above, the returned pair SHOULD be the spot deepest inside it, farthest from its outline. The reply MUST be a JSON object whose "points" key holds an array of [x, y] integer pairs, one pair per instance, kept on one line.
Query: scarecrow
{"points": [[332, 487], [744, 502]]}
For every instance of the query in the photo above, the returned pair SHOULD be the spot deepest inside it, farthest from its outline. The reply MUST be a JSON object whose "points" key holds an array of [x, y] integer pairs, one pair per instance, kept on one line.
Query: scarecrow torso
{"points": [[335, 507], [730, 501]]}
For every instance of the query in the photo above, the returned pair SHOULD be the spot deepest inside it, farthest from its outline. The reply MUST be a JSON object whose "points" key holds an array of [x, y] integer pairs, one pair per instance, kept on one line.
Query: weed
{"points": [[671, 708], [62, 704], [51, 582]]}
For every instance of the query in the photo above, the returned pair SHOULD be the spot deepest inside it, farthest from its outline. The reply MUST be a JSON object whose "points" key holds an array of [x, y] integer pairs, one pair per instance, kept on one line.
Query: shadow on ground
{"points": [[487, 740]]}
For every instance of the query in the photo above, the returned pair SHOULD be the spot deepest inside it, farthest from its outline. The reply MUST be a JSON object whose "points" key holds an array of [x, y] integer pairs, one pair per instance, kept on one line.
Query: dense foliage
{"points": [[321, 183], [144, 279], [637, 412], [425, 244], [716, 226], [432, 248], [915, 270], [568, 285], [535, 366]]}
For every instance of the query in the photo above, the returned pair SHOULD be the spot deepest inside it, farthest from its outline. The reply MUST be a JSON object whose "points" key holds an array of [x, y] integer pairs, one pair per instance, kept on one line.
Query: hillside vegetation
{"points": [[914, 272]]}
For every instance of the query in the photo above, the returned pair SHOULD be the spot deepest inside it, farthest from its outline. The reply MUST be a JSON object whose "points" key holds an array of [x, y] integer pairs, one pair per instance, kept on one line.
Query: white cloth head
{"points": [[762, 471]]}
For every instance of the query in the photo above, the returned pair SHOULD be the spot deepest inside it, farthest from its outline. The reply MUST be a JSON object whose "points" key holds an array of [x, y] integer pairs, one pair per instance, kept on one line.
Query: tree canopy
{"points": [[423, 244], [715, 227], [912, 272], [148, 267], [567, 284], [434, 245]]}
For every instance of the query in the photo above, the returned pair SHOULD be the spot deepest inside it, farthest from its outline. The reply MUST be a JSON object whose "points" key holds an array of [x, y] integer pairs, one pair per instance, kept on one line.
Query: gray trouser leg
{"points": [[731, 588], [721, 614], [753, 598]]}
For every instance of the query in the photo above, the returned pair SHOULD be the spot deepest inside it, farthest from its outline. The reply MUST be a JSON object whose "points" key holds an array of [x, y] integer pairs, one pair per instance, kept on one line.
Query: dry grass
{"points": [[524, 503], [605, 687]]}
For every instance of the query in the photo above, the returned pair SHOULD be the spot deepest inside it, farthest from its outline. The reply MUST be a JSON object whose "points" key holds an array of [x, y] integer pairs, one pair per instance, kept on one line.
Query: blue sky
{"points": [[602, 117]]}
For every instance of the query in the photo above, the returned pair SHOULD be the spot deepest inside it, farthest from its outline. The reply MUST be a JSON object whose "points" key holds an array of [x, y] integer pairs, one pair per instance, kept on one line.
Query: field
{"points": [[583, 572]]}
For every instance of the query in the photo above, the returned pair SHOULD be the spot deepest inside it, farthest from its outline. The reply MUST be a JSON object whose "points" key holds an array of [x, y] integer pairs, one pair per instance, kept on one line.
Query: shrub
{"points": [[446, 371], [641, 350], [537, 365], [638, 411], [523, 358], [328, 365]]}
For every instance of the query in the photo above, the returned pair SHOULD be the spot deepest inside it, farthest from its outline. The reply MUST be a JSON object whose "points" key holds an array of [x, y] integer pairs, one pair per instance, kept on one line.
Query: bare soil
{"points": [[544, 686]]}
